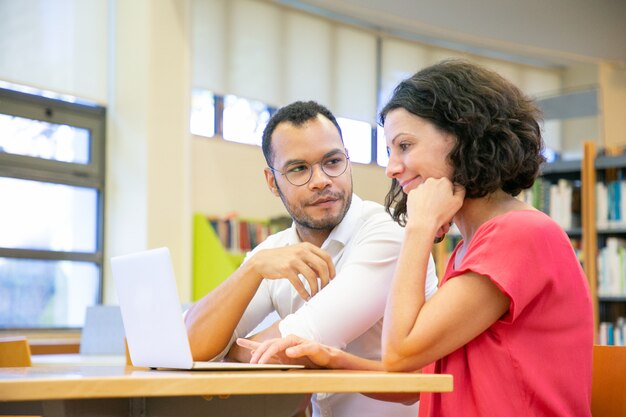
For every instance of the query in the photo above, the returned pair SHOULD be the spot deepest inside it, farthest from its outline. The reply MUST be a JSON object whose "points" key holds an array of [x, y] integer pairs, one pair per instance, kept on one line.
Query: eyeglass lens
{"points": [[301, 173]]}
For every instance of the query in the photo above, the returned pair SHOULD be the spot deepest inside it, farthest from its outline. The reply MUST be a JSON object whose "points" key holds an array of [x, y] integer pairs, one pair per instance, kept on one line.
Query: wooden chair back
{"points": [[14, 352], [608, 395]]}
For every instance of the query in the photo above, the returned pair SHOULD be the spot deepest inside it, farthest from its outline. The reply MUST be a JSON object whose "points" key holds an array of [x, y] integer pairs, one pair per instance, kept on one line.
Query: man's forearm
{"points": [[212, 320]]}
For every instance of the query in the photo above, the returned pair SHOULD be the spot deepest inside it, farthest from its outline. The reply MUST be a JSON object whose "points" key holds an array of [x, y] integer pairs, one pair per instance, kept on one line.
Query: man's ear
{"points": [[270, 179]]}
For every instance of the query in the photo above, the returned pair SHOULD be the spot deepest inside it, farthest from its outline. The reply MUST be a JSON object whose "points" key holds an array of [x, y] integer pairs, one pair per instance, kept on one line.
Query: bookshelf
{"points": [[606, 232]]}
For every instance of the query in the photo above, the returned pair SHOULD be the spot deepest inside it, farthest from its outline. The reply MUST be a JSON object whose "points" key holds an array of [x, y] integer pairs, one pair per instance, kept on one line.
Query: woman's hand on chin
{"points": [[434, 203]]}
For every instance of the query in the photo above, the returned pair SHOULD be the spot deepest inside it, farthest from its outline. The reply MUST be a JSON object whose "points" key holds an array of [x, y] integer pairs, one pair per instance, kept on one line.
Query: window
{"points": [[382, 157], [51, 216], [202, 113], [357, 137], [244, 120]]}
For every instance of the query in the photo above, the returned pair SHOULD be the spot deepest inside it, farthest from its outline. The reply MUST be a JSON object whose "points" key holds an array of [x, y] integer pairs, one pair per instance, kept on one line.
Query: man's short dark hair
{"points": [[498, 137], [296, 113]]}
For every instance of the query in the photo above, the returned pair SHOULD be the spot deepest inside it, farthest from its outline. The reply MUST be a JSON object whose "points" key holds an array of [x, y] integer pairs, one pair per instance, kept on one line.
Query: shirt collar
{"points": [[345, 230]]}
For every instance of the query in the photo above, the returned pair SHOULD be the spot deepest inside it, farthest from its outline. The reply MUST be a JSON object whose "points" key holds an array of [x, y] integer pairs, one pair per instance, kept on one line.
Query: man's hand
{"points": [[289, 350], [292, 261]]}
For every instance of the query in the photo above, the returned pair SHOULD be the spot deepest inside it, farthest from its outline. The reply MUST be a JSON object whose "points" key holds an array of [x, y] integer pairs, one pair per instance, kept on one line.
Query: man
{"points": [[327, 276]]}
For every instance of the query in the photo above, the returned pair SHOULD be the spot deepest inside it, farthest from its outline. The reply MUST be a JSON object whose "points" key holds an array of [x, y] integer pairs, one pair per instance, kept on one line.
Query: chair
{"points": [[14, 352], [608, 394]]}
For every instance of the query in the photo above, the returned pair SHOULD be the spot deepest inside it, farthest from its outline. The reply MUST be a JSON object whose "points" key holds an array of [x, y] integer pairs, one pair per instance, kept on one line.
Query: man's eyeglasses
{"points": [[300, 173]]}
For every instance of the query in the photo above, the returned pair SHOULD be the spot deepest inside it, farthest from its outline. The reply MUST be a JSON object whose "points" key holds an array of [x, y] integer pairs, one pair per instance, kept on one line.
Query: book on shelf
{"points": [[612, 268], [577, 244], [612, 334], [611, 204], [238, 235], [561, 200], [242, 235]]}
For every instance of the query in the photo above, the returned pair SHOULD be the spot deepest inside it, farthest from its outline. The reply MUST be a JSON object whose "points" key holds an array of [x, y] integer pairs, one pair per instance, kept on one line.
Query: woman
{"points": [[512, 320]]}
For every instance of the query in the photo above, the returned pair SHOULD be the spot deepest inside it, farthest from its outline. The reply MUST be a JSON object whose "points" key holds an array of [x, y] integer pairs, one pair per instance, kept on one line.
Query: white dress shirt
{"points": [[348, 312]]}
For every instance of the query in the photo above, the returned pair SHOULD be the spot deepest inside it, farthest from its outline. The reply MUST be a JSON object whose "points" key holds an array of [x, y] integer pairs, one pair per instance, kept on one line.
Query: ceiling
{"points": [[538, 32]]}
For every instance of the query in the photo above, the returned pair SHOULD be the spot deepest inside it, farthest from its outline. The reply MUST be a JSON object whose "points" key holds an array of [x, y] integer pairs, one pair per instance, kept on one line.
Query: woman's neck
{"points": [[476, 211]]}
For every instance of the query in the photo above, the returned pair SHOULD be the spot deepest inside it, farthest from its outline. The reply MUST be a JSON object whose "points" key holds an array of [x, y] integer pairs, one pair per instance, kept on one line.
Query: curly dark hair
{"points": [[496, 127], [296, 113]]}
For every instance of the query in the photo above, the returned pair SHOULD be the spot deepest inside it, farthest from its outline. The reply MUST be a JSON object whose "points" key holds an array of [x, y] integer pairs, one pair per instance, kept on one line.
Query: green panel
{"points": [[212, 264]]}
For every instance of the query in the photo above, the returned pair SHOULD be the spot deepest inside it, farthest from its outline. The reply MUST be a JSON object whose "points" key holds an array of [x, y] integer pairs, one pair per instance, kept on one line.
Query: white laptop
{"points": [[152, 315]]}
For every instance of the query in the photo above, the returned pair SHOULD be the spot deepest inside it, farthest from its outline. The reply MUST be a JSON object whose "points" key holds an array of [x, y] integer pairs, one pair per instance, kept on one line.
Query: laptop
{"points": [[153, 317]]}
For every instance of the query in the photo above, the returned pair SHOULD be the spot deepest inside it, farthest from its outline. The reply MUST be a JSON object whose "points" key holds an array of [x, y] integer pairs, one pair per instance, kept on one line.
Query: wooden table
{"points": [[81, 390]]}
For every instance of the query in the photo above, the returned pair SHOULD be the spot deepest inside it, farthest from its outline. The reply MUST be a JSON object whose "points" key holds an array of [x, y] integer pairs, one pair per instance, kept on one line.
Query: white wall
{"points": [[148, 141]]}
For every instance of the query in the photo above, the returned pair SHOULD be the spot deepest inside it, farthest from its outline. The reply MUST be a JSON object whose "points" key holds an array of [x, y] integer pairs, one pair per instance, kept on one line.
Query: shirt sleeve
{"points": [[510, 254], [355, 299]]}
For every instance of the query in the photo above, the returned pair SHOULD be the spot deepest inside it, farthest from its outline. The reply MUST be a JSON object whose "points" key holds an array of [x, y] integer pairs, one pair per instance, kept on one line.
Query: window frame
{"points": [[90, 175]]}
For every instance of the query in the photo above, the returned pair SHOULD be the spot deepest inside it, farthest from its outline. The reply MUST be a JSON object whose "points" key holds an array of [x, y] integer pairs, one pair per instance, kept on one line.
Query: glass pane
{"points": [[46, 216], [244, 120], [202, 113], [44, 140], [36, 293], [382, 158], [357, 136]]}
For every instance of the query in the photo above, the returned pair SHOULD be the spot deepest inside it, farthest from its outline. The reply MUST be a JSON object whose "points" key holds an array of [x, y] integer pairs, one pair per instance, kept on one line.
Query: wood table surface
{"points": [[79, 381]]}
